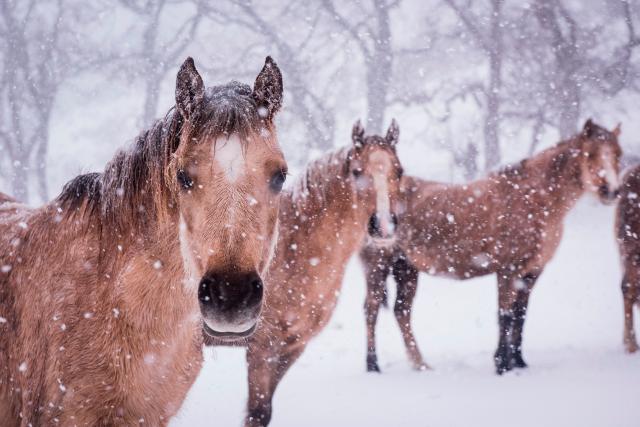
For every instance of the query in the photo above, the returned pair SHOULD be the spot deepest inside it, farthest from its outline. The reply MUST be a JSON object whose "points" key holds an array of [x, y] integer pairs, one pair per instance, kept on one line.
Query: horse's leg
{"points": [[630, 297], [406, 276], [506, 300], [376, 275], [265, 373], [523, 290]]}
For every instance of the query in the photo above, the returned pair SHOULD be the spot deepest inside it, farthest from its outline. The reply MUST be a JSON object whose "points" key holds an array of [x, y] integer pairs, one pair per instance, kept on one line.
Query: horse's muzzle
{"points": [[230, 303], [382, 230], [606, 194]]}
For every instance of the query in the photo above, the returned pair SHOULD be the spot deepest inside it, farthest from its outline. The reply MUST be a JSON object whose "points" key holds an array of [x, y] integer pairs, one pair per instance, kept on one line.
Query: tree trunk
{"points": [[152, 88], [492, 118], [569, 108], [379, 68], [20, 180], [41, 165]]}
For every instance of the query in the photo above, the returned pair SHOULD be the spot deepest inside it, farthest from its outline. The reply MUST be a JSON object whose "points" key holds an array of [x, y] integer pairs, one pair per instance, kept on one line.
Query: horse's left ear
{"points": [[588, 128], [189, 90], [393, 133], [617, 131], [357, 134], [267, 90]]}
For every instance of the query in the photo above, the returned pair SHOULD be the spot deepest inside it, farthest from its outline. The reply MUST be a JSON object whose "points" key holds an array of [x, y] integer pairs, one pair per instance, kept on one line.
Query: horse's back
{"points": [[6, 198]]}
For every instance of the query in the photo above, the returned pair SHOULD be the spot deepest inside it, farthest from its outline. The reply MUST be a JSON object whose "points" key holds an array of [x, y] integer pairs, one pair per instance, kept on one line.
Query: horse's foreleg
{"points": [[376, 288], [523, 289], [406, 276], [506, 299], [630, 296], [266, 370]]}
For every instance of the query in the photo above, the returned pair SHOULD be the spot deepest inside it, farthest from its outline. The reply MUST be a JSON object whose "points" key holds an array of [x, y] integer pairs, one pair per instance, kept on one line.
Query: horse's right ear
{"points": [[189, 90], [267, 89], [588, 128], [357, 134], [393, 133]]}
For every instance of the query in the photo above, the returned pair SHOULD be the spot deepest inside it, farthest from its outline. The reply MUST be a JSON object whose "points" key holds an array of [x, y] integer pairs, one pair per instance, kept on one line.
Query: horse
{"points": [[509, 224], [627, 234], [104, 291], [340, 198]]}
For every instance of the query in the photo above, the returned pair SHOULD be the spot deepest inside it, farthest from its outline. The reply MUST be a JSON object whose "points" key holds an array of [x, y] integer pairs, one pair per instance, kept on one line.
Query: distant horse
{"points": [[509, 223], [324, 220], [104, 291], [628, 235]]}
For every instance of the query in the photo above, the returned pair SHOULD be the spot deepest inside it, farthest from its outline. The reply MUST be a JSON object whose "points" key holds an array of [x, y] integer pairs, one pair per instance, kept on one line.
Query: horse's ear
{"points": [[588, 128], [357, 134], [617, 130], [189, 90], [267, 89], [393, 133]]}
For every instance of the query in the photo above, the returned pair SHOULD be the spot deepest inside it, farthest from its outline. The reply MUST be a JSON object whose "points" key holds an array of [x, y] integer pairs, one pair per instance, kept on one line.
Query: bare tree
{"points": [[35, 44], [308, 107], [489, 38], [578, 65], [372, 35], [159, 52]]}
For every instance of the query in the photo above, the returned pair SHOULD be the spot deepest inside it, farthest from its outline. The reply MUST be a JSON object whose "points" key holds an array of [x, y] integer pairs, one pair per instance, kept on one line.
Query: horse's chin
{"points": [[227, 337]]}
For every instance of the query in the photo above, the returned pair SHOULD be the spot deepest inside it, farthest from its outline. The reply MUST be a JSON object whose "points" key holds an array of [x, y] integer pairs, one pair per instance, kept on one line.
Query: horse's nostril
{"points": [[374, 226], [228, 291], [394, 219]]}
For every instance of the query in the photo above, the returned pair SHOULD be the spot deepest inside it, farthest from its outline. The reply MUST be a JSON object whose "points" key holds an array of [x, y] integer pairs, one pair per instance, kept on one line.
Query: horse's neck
{"points": [[156, 290], [563, 187], [325, 230]]}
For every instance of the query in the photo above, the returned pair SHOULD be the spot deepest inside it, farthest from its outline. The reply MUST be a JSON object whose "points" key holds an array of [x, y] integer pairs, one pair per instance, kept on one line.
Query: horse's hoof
{"points": [[373, 368], [502, 369], [503, 363], [518, 362], [631, 347], [422, 367]]}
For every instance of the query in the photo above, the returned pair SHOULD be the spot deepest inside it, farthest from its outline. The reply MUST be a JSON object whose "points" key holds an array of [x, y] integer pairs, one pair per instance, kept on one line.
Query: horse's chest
{"points": [[160, 379]]}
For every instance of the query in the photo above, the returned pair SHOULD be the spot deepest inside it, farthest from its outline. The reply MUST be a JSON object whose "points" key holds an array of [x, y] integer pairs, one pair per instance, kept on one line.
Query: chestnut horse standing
{"points": [[509, 223], [324, 220], [104, 291], [628, 235]]}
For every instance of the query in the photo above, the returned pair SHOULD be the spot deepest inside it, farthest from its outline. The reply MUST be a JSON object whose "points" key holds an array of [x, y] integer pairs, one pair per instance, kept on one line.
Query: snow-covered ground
{"points": [[578, 375]]}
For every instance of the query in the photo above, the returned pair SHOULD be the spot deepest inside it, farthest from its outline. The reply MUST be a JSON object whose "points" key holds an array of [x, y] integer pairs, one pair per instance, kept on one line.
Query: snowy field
{"points": [[578, 374]]}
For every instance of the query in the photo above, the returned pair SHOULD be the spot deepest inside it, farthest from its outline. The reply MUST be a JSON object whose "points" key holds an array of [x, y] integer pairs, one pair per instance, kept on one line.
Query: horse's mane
{"points": [[134, 189], [555, 159], [310, 188]]}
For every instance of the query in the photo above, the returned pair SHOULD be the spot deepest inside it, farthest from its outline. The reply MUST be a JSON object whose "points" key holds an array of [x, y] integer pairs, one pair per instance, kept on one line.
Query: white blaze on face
{"points": [[272, 247], [228, 157], [608, 171], [189, 263], [381, 165]]}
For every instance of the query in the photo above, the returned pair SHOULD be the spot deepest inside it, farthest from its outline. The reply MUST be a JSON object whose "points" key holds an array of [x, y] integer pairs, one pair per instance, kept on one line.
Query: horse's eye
{"points": [[400, 172], [184, 180], [277, 181], [357, 172]]}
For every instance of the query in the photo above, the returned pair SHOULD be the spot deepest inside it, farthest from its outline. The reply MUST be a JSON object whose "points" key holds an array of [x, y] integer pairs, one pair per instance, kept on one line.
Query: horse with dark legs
{"points": [[339, 199], [628, 236], [508, 224], [104, 291]]}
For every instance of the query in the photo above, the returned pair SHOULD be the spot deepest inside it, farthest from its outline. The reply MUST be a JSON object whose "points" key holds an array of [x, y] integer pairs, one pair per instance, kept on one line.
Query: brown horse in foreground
{"points": [[509, 223], [628, 235], [324, 220], [104, 291]]}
